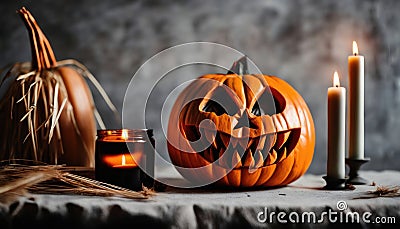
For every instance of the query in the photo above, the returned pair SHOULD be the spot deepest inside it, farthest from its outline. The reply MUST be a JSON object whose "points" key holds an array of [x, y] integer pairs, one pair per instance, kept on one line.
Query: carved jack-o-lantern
{"points": [[247, 130]]}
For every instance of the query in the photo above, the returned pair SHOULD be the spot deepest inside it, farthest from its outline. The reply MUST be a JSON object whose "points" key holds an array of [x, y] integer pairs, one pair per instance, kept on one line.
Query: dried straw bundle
{"points": [[382, 191], [18, 180], [47, 111], [386, 191]]}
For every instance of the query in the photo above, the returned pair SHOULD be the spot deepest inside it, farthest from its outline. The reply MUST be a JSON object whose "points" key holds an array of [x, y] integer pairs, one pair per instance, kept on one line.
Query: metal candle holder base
{"points": [[354, 165], [334, 183]]}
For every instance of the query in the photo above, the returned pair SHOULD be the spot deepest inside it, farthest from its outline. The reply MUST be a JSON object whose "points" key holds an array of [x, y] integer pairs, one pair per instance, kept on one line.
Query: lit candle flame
{"points": [[124, 134], [123, 160], [336, 81], [355, 48]]}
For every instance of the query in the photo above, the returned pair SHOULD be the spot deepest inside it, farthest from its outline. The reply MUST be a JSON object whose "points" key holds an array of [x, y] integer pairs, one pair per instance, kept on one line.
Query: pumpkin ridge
{"points": [[302, 114], [291, 148]]}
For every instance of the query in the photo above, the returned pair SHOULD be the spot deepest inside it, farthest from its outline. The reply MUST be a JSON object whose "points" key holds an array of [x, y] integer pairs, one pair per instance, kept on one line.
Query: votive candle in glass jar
{"points": [[125, 157]]}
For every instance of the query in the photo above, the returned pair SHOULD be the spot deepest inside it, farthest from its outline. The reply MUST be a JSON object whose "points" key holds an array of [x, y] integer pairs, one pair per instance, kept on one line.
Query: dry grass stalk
{"points": [[33, 101], [18, 180], [384, 191]]}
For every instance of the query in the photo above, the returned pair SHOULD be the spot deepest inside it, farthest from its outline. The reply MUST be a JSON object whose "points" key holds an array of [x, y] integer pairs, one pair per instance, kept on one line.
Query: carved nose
{"points": [[243, 121]]}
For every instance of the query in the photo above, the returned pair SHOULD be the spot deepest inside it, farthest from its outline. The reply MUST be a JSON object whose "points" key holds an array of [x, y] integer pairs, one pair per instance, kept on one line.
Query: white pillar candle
{"points": [[356, 104], [336, 129]]}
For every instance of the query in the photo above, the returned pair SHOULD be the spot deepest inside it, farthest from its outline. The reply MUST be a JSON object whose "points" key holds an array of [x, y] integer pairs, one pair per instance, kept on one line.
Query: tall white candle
{"points": [[336, 129], [356, 104]]}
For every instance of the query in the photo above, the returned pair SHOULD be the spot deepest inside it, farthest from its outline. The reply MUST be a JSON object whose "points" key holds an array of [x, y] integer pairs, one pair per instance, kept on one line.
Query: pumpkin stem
{"points": [[42, 53], [240, 67]]}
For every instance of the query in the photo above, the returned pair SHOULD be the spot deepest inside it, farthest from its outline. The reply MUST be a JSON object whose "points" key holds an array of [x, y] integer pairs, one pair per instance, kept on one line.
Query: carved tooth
{"points": [[258, 160], [266, 160], [261, 143], [286, 136], [278, 141], [236, 160], [281, 139], [225, 139], [281, 155], [272, 140], [223, 158], [250, 142], [251, 167], [265, 154], [249, 159], [271, 157], [214, 144], [234, 142], [210, 135], [269, 140], [243, 142]]}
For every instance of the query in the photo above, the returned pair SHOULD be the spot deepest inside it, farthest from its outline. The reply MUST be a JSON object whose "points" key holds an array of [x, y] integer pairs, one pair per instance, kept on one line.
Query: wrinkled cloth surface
{"points": [[208, 208]]}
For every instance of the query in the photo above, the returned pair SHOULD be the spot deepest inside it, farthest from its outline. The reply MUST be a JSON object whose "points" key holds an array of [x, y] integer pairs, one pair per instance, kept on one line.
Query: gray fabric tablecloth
{"points": [[210, 208]]}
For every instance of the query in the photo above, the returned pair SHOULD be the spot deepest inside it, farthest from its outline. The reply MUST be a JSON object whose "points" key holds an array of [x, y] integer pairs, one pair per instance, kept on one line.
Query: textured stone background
{"points": [[302, 41]]}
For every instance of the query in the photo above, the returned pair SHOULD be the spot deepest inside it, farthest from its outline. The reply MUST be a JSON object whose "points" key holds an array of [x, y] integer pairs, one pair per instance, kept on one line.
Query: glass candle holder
{"points": [[125, 158]]}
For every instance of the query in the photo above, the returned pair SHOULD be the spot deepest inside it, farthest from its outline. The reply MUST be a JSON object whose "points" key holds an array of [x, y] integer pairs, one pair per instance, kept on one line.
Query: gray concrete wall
{"points": [[301, 41]]}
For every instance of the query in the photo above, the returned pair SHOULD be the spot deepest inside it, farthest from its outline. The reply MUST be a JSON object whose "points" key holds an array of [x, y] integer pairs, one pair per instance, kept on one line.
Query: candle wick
{"points": [[355, 54]]}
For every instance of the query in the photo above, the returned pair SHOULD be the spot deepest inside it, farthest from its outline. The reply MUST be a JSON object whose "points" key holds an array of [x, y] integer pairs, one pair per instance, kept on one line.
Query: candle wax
{"points": [[336, 132], [356, 105]]}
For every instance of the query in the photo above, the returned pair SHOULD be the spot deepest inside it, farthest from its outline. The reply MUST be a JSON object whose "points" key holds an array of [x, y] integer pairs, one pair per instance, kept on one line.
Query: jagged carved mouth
{"points": [[230, 152]]}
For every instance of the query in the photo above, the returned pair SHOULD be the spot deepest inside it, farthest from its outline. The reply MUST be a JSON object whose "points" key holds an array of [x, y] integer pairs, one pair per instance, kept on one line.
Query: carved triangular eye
{"points": [[212, 106], [221, 103], [257, 111], [269, 103]]}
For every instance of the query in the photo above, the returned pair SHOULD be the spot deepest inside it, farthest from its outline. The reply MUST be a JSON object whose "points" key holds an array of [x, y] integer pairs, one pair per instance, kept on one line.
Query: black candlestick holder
{"points": [[334, 183], [354, 165]]}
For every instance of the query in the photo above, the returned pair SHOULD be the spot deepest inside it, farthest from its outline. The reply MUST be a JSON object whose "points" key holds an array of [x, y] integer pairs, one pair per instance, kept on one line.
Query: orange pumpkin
{"points": [[47, 111], [248, 130]]}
